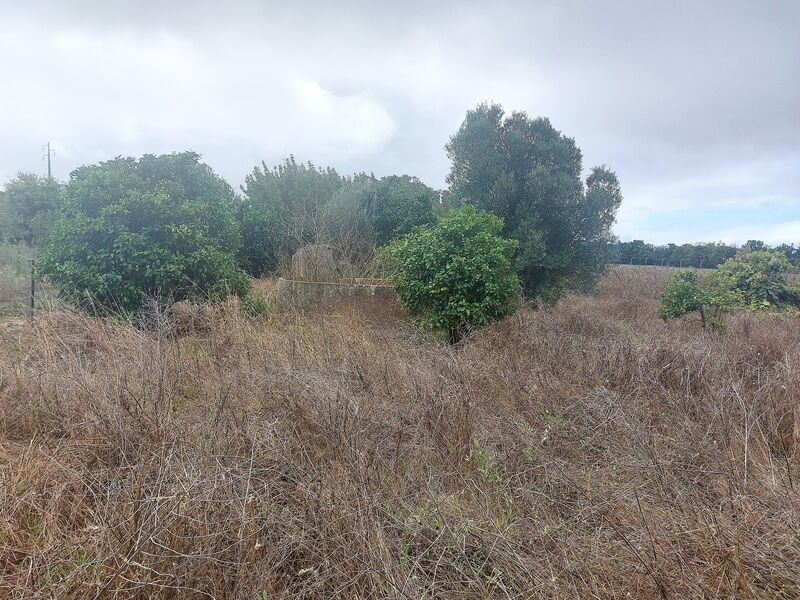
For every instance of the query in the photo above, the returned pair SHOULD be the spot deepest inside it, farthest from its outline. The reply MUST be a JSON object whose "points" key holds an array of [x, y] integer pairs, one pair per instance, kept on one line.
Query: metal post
{"points": [[31, 265]]}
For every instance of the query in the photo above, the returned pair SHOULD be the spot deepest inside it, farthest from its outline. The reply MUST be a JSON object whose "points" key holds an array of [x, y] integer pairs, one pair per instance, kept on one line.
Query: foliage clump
{"points": [[280, 212], [685, 294], [27, 208], [297, 204], [529, 174], [754, 280], [134, 229], [758, 278], [456, 275], [398, 205]]}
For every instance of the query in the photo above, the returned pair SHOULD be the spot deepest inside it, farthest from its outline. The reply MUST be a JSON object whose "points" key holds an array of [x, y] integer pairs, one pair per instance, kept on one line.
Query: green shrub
{"points": [[683, 295], [456, 275], [132, 229], [756, 280], [27, 208], [399, 205], [295, 204], [687, 293], [280, 212]]}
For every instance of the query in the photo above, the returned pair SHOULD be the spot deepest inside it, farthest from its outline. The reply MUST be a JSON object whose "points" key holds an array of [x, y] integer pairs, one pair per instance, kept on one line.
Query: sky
{"points": [[695, 105]]}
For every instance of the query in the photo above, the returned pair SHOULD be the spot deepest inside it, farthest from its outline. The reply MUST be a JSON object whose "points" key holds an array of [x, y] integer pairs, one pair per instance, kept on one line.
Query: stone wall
{"points": [[372, 300]]}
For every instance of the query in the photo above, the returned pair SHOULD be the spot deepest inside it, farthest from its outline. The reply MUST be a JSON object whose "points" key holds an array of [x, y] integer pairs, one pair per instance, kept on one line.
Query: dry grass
{"points": [[588, 451]]}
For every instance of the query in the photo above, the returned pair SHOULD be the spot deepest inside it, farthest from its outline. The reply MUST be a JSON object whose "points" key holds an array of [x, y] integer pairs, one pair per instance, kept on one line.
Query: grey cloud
{"points": [[671, 95]]}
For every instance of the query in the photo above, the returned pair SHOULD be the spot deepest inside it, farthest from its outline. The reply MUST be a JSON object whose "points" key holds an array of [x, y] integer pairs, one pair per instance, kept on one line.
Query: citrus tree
{"points": [[153, 227], [455, 275]]}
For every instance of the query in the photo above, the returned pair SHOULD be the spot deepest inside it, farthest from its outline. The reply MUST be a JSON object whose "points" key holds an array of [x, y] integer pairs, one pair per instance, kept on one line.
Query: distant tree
{"points": [[790, 251], [756, 245], [7, 225], [529, 174], [634, 252], [28, 208], [456, 275], [154, 227], [686, 255]]}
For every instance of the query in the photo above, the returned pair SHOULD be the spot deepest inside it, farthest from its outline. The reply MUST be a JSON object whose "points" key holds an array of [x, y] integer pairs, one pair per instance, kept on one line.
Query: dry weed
{"points": [[584, 451]]}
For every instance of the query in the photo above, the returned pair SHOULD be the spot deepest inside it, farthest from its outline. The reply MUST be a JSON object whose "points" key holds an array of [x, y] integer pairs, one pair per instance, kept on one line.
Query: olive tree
{"points": [[529, 174]]}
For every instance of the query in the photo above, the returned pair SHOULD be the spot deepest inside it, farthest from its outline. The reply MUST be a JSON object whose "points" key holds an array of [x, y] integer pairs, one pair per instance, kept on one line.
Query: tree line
{"points": [[701, 255], [125, 230]]}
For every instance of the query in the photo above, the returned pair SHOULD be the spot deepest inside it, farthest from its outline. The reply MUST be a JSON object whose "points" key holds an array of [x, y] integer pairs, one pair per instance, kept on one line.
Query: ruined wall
{"points": [[377, 301]]}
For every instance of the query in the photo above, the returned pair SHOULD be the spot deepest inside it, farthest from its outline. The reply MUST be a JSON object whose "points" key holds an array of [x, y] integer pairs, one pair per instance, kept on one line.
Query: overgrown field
{"points": [[584, 451]]}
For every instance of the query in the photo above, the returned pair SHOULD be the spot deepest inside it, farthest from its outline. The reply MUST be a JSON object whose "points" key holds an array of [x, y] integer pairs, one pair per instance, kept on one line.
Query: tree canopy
{"points": [[398, 204], [529, 174], [280, 211], [27, 208], [294, 204], [132, 229]]}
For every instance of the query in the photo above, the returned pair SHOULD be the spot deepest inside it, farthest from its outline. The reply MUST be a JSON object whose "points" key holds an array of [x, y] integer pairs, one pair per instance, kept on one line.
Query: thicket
{"points": [[753, 280], [296, 204], [27, 209], [156, 227]]}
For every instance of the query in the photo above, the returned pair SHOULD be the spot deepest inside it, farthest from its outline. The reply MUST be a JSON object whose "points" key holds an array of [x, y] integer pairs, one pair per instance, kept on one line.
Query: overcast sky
{"points": [[696, 105]]}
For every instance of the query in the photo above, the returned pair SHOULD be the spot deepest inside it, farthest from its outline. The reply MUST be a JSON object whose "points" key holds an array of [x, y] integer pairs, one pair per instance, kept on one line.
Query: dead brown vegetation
{"points": [[584, 451]]}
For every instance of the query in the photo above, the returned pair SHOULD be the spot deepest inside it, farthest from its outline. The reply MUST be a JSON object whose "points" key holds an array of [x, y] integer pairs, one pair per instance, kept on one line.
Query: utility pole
{"points": [[46, 152]]}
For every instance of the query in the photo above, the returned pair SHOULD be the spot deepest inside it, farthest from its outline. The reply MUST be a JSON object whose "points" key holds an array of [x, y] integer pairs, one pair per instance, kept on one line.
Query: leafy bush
{"points": [[133, 229], [399, 205], [758, 278], [687, 293], [296, 204], [280, 212], [455, 275], [27, 208], [753, 279], [683, 295]]}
